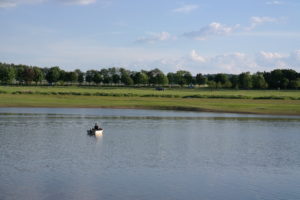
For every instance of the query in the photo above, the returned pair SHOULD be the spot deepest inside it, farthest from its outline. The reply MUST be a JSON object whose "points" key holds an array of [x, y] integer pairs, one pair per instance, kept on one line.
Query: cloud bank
{"points": [[256, 21], [213, 29]]}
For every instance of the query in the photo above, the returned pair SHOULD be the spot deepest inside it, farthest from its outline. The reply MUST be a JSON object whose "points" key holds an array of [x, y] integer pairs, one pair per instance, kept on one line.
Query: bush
{"points": [[271, 97]]}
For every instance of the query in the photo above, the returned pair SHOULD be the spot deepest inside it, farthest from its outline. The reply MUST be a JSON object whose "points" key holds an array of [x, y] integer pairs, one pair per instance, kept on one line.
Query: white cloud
{"points": [[271, 55], [233, 63], [213, 29], [154, 37], [196, 57], [274, 2], [238, 62], [186, 8], [273, 60], [89, 54], [79, 2], [13, 3], [256, 21]]}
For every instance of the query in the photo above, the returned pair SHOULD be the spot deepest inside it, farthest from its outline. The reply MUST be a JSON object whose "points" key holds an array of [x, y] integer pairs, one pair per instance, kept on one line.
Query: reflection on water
{"points": [[47, 154]]}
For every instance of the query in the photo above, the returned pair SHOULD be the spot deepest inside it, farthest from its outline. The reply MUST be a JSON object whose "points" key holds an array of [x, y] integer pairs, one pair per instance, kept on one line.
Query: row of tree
{"points": [[23, 74]]}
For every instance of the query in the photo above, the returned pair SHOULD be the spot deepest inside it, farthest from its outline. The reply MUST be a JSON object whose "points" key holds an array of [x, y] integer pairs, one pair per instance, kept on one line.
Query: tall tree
{"points": [[258, 81], [188, 78], [80, 76], [89, 76], [116, 79], [106, 78], [72, 77], [295, 84], [97, 78], [28, 75], [245, 80], [161, 79], [276, 78], [126, 79], [140, 78], [172, 78], [221, 79], [234, 79], [200, 79], [183, 77], [38, 75], [19, 70], [7, 74], [156, 77], [53, 75]]}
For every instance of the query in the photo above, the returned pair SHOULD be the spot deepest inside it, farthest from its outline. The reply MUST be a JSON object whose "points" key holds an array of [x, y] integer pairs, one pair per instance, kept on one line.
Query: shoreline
{"points": [[281, 107]]}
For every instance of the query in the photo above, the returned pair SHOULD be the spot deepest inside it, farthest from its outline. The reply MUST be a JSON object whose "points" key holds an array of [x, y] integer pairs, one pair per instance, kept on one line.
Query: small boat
{"points": [[96, 132]]}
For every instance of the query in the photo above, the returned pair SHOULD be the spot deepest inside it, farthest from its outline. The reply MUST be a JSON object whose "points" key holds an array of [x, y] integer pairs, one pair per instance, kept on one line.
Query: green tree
{"points": [[53, 75], [172, 78], [234, 79], [212, 85], [105, 74], [89, 76], [276, 77], [162, 79], [116, 78], [97, 77], [126, 79], [19, 70], [28, 75], [188, 78], [221, 78], [200, 79], [183, 77], [7, 74], [295, 84], [258, 81], [284, 83], [140, 78], [38, 75], [157, 77], [245, 80], [227, 84], [80, 76], [72, 77]]}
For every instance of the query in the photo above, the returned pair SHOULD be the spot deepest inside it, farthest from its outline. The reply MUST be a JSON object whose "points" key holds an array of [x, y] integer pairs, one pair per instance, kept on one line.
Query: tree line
{"points": [[28, 75]]}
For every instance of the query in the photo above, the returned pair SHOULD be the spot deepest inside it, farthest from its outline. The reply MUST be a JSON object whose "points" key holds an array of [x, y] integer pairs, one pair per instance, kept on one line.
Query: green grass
{"points": [[235, 101], [280, 107], [150, 92]]}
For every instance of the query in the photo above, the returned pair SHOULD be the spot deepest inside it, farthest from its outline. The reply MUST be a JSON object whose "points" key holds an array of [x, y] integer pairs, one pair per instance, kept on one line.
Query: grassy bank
{"points": [[280, 107], [150, 92]]}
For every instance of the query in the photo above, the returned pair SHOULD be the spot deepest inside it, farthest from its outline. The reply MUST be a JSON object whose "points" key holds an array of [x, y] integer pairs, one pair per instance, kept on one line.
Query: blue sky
{"points": [[199, 36]]}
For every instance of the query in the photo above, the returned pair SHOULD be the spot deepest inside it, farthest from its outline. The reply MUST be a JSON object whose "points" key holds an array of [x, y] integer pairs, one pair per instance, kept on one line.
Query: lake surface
{"points": [[45, 153]]}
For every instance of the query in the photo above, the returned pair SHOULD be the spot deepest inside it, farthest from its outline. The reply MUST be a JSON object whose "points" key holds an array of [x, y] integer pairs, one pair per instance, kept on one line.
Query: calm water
{"points": [[46, 154]]}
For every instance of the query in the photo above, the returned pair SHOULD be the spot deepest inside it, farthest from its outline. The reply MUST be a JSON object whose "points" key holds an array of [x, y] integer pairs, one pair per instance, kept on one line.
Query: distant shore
{"points": [[249, 106], [270, 102]]}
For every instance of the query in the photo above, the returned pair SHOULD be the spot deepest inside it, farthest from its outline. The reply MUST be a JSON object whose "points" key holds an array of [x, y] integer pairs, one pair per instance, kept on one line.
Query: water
{"points": [[46, 154]]}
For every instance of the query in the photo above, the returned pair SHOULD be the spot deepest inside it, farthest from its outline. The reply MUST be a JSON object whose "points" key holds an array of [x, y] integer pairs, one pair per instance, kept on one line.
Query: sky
{"points": [[201, 36]]}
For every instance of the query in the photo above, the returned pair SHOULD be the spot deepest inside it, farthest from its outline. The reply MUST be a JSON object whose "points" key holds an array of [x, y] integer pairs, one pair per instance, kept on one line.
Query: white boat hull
{"points": [[95, 132]]}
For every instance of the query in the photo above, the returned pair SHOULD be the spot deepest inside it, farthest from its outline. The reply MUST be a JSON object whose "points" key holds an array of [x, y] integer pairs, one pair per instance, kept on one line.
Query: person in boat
{"points": [[96, 127]]}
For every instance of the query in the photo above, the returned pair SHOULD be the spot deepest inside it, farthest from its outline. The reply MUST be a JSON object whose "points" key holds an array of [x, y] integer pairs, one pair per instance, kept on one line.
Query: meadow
{"points": [[282, 102]]}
